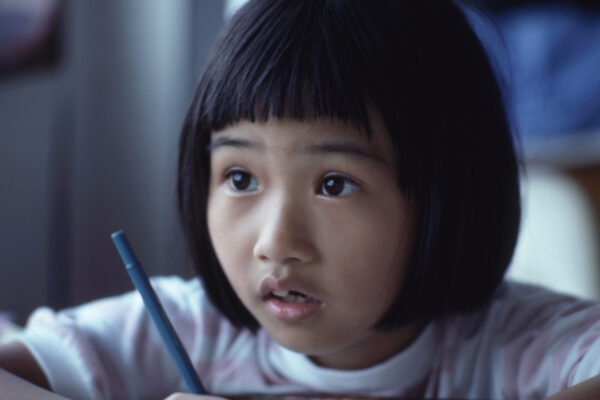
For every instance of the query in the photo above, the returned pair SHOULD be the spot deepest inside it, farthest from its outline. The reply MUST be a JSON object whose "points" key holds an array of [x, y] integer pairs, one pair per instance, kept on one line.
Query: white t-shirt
{"points": [[527, 344]]}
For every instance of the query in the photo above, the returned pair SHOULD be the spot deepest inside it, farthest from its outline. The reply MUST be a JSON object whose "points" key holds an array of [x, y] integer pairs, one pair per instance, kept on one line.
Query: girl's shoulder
{"points": [[520, 305], [90, 348], [181, 293], [520, 309], [188, 306], [536, 341]]}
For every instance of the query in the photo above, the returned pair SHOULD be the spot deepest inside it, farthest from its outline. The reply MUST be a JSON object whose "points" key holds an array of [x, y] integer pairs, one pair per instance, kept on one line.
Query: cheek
{"points": [[216, 223], [375, 271], [226, 229], [370, 254], [229, 237]]}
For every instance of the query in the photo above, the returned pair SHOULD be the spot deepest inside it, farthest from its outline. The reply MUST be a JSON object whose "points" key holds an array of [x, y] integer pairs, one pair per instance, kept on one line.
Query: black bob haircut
{"points": [[421, 67]]}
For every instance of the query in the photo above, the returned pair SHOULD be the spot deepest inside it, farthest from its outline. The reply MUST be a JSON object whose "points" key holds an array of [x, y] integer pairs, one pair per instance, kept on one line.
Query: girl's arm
{"points": [[20, 375], [586, 390]]}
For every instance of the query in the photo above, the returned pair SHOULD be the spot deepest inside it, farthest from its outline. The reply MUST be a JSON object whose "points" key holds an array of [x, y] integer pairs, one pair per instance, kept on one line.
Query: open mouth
{"points": [[291, 306], [287, 299], [291, 296]]}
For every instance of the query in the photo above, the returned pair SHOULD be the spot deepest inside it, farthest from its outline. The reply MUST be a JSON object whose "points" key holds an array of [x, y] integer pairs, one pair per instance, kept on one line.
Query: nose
{"points": [[284, 235]]}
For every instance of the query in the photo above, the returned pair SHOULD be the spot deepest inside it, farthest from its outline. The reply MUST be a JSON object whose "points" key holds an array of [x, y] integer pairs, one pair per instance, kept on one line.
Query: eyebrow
{"points": [[225, 141], [350, 149], [346, 148]]}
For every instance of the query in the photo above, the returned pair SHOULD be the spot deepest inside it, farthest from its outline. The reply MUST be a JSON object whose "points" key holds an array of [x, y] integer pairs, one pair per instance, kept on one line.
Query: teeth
{"points": [[298, 298], [288, 297]]}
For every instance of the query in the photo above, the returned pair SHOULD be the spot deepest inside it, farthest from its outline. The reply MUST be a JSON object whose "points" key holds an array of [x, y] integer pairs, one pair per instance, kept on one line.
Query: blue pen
{"points": [[169, 336]]}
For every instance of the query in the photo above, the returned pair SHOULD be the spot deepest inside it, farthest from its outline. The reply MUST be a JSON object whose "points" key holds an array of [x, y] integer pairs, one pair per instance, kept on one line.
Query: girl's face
{"points": [[313, 233]]}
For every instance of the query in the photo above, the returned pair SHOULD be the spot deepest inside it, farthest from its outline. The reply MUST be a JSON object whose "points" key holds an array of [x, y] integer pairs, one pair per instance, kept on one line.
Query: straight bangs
{"points": [[289, 59]]}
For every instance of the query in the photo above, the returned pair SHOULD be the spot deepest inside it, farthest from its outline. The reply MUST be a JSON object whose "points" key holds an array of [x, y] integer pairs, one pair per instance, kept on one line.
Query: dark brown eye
{"points": [[241, 180], [338, 186]]}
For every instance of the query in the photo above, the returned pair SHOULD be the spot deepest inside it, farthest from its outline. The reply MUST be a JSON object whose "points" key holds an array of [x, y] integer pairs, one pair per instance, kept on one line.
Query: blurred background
{"points": [[93, 96]]}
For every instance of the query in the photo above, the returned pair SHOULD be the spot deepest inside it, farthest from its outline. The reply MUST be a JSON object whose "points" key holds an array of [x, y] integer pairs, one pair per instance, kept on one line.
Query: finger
{"points": [[188, 396]]}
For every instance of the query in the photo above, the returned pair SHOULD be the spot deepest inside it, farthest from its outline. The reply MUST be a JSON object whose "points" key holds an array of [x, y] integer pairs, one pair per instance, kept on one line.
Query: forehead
{"points": [[322, 135]]}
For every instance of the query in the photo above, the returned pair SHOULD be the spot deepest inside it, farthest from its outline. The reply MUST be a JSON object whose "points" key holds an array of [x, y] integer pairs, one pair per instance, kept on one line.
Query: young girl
{"points": [[349, 192]]}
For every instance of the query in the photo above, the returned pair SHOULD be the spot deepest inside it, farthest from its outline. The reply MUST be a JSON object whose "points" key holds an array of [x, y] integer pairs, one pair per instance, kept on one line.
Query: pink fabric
{"points": [[527, 343]]}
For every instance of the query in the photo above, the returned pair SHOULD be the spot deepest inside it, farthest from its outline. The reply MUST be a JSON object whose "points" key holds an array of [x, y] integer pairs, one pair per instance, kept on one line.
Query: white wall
{"points": [[558, 241]]}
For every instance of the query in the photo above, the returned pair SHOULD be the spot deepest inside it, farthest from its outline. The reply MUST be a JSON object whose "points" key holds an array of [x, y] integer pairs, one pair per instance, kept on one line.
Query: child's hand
{"points": [[586, 390], [187, 396]]}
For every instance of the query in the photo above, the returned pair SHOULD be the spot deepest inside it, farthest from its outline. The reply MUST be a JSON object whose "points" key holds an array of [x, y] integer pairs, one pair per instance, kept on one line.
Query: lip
{"points": [[282, 310], [292, 312]]}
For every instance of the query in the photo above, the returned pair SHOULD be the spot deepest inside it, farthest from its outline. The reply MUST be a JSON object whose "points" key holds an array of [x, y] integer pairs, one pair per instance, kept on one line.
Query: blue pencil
{"points": [[169, 336]]}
